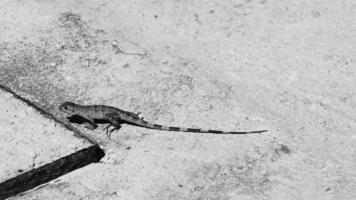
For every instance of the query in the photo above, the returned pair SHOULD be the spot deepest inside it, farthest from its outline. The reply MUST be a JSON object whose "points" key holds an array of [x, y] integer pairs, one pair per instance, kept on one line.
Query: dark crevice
{"points": [[48, 172], [35, 177]]}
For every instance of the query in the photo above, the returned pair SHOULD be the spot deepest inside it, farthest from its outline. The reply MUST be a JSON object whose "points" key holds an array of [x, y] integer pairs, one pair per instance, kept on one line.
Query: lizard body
{"points": [[115, 117]]}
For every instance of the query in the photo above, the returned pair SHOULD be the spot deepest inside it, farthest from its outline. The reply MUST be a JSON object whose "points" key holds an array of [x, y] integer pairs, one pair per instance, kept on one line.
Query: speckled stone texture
{"points": [[285, 66]]}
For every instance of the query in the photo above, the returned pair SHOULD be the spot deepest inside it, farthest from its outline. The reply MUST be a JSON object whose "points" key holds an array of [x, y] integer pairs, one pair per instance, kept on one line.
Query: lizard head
{"points": [[68, 108]]}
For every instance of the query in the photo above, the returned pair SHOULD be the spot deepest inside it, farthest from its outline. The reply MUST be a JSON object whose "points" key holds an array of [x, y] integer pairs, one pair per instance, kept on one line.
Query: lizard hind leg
{"points": [[114, 120], [107, 128], [109, 131]]}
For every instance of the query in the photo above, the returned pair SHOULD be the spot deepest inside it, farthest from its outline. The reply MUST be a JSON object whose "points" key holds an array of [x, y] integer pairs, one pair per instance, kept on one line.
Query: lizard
{"points": [[115, 117]]}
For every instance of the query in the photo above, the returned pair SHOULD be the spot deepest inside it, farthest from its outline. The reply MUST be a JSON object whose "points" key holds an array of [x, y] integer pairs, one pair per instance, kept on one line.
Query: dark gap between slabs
{"points": [[51, 171], [35, 177]]}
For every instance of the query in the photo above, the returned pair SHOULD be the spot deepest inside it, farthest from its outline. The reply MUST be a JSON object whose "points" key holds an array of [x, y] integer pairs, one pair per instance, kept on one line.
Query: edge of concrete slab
{"points": [[47, 114], [50, 171]]}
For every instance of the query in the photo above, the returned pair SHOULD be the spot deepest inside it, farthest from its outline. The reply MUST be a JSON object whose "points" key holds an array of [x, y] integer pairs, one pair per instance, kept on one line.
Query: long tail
{"points": [[193, 130]]}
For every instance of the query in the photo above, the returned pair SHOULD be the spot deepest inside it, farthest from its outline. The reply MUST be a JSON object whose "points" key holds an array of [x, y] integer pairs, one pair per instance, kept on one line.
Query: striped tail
{"points": [[192, 130]]}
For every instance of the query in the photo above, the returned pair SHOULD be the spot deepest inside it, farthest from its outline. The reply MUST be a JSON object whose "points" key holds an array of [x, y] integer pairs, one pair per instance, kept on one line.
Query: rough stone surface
{"points": [[285, 66], [29, 140]]}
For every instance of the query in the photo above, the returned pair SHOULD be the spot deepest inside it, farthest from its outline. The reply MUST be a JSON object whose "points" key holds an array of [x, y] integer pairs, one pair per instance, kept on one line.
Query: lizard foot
{"points": [[114, 120], [109, 132], [107, 127]]}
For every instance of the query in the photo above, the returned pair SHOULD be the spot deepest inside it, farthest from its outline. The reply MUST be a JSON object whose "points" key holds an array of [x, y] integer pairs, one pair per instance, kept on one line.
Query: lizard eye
{"points": [[65, 107]]}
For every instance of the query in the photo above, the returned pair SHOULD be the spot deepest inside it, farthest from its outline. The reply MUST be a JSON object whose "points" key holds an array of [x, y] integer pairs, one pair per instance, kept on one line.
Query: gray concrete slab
{"points": [[29, 140], [285, 66]]}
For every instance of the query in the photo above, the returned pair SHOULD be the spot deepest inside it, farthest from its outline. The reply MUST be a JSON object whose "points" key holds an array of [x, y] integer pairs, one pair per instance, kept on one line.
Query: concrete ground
{"points": [[29, 140], [285, 66]]}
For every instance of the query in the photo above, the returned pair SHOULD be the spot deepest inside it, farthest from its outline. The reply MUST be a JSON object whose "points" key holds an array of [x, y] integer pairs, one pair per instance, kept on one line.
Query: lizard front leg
{"points": [[90, 126], [89, 123]]}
